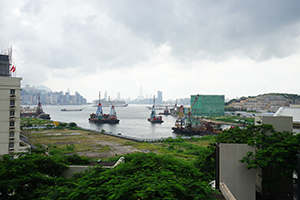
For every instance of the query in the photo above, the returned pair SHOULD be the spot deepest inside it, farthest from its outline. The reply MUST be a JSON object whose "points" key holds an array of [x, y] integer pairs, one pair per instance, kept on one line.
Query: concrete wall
{"points": [[239, 180], [78, 168], [280, 123]]}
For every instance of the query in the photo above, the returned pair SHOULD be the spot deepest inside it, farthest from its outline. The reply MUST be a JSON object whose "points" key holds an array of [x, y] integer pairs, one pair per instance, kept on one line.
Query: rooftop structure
{"points": [[290, 111]]}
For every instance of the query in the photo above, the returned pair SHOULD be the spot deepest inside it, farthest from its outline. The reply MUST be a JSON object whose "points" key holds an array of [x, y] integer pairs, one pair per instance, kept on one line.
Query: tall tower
{"points": [[105, 95], [159, 97], [140, 97]]}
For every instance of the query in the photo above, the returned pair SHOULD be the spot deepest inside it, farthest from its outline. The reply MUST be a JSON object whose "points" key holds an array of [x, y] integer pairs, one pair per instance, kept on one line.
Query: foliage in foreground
{"points": [[142, 176], [28, 175]]}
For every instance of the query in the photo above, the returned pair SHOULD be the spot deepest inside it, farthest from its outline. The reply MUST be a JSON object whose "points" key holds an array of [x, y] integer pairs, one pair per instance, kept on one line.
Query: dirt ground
{"points": [[114, 149], [86, 143]]}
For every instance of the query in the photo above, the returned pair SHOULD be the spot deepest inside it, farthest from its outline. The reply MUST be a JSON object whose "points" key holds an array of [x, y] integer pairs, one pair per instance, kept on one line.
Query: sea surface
{"points": [[133, 120]]}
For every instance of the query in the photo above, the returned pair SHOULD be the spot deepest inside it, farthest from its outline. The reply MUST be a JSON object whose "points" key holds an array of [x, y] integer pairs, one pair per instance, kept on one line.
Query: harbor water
{"points": [[133, 120]]}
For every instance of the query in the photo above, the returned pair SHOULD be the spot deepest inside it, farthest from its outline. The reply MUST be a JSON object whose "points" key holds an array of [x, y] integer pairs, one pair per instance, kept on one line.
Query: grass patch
{"points": [[76, 141]]}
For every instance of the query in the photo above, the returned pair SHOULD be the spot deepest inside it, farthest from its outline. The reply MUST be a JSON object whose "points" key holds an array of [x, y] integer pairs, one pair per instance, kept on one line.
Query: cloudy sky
{"points": [[180, 47]]}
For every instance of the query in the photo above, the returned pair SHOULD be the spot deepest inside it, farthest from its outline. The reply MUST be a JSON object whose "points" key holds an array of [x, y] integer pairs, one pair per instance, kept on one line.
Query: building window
{"points": [[11, 123], [12, 113], [11, 134], [12, 91], [11, 145], [12, 102]]}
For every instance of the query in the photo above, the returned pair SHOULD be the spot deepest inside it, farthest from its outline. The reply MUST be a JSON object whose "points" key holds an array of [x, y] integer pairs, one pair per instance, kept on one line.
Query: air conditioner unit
{"points": [[12, 117]]}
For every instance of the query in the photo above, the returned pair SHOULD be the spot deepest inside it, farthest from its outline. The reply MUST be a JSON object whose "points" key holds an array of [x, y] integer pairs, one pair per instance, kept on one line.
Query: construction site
{"points": [[265, 102]]}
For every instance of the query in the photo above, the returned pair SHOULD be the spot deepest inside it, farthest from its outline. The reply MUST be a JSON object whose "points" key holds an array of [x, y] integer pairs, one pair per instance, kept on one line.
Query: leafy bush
{"points": [[142, 176]]}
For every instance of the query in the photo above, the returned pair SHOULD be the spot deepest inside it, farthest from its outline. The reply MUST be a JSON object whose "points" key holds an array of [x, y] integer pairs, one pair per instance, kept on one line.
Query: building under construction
{"points": [[208, 105]]}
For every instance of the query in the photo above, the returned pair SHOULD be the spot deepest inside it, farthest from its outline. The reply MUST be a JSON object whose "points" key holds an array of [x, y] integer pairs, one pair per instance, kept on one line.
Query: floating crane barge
{"points": [[100, 118], [186, 126], [153, 117]]}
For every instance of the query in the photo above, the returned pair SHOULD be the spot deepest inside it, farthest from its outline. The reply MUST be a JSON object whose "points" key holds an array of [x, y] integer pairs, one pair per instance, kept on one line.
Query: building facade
{"points": [[208, 105], [10, 137]]}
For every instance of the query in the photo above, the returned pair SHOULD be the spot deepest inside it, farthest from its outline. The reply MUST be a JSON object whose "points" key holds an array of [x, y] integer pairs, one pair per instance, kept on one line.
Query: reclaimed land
{"points": [[96, 145]]}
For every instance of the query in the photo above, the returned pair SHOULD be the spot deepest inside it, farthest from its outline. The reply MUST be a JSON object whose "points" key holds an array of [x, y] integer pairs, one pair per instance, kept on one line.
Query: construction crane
{"points": [[195, 100], [189, 113]]}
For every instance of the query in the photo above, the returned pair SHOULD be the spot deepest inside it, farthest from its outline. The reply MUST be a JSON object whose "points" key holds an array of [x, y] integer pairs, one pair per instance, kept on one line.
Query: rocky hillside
{"points": [[264, 102]]}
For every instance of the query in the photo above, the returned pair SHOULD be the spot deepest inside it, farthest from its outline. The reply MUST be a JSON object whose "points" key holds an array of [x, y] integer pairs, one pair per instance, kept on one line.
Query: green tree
{"points": [[21, 178], [142, 176], [273, 150]]}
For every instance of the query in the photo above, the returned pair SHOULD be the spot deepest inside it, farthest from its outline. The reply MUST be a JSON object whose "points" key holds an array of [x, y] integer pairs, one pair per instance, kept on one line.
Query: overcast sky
{"points": [[180, 47]]}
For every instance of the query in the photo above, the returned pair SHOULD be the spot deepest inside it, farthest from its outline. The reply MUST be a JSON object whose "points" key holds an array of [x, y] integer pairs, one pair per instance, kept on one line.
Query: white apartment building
{"points": [[10, 138]]}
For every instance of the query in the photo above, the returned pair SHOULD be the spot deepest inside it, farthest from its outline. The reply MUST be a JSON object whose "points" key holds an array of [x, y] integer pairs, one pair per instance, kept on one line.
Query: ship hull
{"points": [[155, 120], [192, 131], [104, 121]]}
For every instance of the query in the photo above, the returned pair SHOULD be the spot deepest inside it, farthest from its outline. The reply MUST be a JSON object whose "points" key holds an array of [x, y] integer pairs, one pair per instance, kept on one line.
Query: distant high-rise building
{"points": [[67, 97], [159, 97], [105, 95], [119, 96], [43, 96], [140, 97]]}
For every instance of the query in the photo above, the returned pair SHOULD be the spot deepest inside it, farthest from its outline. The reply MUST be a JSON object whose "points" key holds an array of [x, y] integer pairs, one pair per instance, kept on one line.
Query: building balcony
{"points": [[23, 146], [12, 96], [23, 138]]}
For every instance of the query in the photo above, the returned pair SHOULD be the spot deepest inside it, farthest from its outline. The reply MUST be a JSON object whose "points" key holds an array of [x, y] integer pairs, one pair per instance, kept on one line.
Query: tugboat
{"points": [[153, 117], [100, 118], [166, 111]]}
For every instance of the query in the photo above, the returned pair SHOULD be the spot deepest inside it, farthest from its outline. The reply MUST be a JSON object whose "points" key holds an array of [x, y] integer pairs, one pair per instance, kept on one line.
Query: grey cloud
{"points": [[214, 29]]}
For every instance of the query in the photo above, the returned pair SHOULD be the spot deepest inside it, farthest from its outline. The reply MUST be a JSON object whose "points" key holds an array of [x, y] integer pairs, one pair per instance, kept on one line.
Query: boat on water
{"points": [[187, 124], [36, 112], [64, 109], [100, 118], [153, 117], [166, 111]]}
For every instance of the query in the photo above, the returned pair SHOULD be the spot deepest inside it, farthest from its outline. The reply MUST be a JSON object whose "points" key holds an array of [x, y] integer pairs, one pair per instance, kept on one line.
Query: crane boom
{"points": [[189, 111]]}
